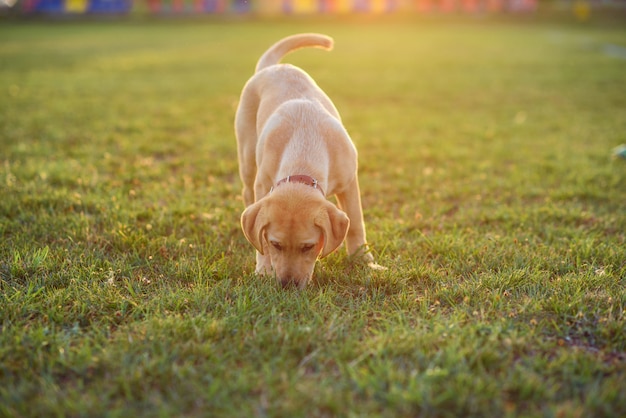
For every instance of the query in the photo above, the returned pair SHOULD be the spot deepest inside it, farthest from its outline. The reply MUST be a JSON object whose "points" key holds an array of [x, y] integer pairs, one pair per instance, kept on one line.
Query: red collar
{"points": [[300, 178]]}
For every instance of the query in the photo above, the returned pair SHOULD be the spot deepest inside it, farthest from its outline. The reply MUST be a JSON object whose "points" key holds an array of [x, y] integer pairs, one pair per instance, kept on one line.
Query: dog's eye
{"points": [[306, 248], [276, 245]]}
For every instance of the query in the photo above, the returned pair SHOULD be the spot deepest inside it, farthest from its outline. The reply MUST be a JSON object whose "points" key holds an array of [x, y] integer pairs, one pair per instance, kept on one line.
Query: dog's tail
{"points": [[286, 45]]}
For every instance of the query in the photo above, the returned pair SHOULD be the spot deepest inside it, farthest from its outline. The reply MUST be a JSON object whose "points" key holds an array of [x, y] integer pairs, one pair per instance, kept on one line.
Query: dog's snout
{"points": [[288, 282], [292, 282]]}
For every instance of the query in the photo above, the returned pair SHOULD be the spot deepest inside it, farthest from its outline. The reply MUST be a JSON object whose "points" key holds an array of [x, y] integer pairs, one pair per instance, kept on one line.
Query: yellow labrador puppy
{"points": [[293, 153]]}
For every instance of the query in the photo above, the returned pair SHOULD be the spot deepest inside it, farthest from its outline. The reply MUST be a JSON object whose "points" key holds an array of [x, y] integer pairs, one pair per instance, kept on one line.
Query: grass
{"points": [[127, 287]]}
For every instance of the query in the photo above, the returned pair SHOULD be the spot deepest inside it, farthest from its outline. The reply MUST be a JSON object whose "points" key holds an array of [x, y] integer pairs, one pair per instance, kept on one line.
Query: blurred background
{"points": [[581, 9]]}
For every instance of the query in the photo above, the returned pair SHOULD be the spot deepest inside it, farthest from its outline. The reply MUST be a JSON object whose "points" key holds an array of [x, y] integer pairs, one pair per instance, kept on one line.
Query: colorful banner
{"points": [[340, 6], [271, 7], [303, 7], [76, 6], [275, 7], [109, 6], [45, 6]]}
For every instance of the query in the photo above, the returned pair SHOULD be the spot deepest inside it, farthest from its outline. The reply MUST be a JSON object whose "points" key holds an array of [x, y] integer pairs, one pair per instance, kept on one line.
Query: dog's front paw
{"points": [[375, 266], [363, 255]]}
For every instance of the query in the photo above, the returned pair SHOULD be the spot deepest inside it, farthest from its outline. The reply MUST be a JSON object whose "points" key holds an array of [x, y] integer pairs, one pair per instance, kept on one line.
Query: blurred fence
{"points": [[272, 7]]}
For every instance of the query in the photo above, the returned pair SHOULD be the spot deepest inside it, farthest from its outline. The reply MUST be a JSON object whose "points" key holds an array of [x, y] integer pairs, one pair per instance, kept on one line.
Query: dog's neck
{"points": [[300, 178]]}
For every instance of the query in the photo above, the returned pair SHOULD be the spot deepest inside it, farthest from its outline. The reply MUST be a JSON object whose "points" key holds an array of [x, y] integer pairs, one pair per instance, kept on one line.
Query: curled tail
{"points": [[286, 45]]}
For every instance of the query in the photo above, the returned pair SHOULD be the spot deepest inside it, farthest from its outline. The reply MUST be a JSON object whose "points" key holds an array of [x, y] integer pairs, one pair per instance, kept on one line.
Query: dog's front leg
{"points": [[350, 202]]}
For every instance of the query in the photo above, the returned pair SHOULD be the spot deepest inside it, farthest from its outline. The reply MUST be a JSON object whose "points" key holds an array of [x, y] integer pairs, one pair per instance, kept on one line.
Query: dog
{"points": [[294, 152]]}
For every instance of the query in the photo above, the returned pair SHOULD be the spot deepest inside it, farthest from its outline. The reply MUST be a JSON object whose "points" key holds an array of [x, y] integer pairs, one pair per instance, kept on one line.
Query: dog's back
{"points": [[275, 85]]}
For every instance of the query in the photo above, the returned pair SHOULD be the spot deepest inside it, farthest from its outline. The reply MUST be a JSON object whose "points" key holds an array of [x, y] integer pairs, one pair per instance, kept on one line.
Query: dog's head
{"points": [[295, 227]]}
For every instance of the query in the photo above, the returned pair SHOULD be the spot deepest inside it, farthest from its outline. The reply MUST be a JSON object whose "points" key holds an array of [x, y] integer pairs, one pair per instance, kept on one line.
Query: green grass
{"points": [[127, 287]]}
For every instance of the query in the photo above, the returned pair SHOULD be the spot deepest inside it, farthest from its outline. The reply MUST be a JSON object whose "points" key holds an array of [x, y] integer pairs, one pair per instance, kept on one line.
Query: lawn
{"points": [[127, 287]]}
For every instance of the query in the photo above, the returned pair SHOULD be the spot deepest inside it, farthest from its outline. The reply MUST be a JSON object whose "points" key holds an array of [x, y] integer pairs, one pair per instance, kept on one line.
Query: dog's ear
{"points": [[334, 224], [253, 222]]}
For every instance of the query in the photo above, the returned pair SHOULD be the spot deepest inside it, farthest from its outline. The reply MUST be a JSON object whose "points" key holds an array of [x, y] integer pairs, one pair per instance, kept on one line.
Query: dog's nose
{"points": [[288, 282]]}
